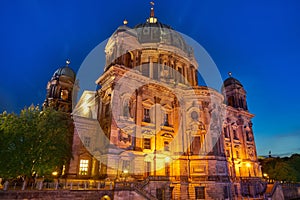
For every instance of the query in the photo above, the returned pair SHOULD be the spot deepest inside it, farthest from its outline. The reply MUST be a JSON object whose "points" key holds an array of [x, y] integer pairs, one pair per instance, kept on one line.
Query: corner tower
{"points": [[240, 148], [60, 88], [234, 93]]}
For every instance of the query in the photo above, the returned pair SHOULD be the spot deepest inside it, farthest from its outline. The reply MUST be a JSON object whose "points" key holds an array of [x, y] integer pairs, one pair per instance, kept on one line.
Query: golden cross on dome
{"points": [[152, 9], [230, 74]]}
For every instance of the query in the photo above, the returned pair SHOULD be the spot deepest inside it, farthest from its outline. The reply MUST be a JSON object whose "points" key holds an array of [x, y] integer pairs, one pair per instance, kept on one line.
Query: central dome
{"points": [[150, 34], [127, 44], [160, 33]]}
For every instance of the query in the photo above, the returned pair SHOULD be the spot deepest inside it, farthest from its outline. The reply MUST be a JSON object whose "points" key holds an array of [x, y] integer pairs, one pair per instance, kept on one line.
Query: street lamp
{"points": [[266, 176], [248, 165], [55, 173], [125, 172]]}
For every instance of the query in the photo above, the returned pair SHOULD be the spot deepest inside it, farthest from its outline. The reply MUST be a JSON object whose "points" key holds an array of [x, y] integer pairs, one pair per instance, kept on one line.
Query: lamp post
{"points": [[55, 175], [125, 172]]}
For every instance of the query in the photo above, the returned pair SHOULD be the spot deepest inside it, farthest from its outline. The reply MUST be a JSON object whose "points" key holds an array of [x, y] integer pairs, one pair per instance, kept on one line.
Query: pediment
{"points": [[167, 107], [167, 135], [148, 102]]}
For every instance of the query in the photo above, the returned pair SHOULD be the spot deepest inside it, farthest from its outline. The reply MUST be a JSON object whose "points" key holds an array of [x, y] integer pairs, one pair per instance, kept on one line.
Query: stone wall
{"points": [[70, 194], [57, 195], [291, 191]]}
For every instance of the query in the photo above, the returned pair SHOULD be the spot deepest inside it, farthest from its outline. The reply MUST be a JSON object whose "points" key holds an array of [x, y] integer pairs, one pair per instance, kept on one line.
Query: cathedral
{"points": [[150, 129]]}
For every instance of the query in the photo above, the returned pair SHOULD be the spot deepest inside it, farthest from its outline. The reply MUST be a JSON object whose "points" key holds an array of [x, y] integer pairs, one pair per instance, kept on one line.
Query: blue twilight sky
{"points": [[258, 41]]}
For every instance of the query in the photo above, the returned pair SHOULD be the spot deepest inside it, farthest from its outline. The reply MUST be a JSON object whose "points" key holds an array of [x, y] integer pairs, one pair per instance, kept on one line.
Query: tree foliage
{"points": [[282, 169], [35, 141]]}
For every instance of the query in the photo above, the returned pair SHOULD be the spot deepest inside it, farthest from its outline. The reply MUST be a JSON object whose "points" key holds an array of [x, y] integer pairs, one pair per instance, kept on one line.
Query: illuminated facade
{"points": [[150, 123]]}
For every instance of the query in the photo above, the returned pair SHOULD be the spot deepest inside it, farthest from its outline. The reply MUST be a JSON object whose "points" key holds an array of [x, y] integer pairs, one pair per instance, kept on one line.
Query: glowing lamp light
{"points": [[55, 173], [167, 159], [105, 197], [125, 171]]}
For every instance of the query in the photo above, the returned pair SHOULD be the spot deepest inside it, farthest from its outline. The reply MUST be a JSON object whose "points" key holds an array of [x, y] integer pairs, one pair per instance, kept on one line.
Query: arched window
{"points": [[166, 119], [126, 108], [237, 153], [226, 133], [241, 103], [235, 135], [248, 135], [146, 115], [64, 95], [231, 101], [127, 60], [166, 146]]}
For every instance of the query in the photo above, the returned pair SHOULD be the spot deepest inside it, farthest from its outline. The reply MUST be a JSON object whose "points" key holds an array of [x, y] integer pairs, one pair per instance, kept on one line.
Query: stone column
{"points": [[194, 76], [189, 75], [185, 74], [138, 120], [150, 67], [95, 167], [244, 141]]}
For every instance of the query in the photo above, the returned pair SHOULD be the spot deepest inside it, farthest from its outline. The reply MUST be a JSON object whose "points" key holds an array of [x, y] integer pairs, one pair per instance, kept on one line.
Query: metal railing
{"points": [[59, 185]]}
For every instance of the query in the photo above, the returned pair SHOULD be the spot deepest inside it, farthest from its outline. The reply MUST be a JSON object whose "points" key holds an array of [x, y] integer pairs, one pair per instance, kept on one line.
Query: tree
{"points": [[282, 169], [34, 142], [9, 145], [295, 163]]}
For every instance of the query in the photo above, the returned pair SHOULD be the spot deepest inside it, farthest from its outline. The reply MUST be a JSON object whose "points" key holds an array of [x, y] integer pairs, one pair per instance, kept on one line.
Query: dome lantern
{"points": [[152, 19]]}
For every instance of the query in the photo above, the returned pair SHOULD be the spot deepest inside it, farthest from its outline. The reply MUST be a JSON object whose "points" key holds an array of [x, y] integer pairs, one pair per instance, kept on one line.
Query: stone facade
{"points": [[150, 123]]}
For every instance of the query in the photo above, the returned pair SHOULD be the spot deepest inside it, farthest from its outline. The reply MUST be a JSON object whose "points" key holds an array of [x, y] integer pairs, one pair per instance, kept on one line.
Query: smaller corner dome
{"points": [[232, 81], [124, 29], [65, 71]]}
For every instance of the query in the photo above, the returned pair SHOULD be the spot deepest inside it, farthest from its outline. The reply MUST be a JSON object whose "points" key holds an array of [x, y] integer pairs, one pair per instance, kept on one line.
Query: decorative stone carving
{"points": [[124, 136], [250, 152], [215, 118], [167, 135]]}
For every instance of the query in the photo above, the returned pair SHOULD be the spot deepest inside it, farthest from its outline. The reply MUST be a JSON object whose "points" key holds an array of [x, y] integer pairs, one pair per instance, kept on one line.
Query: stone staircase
{"points": [[139, 188], [176, 192], [253, 187]]}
